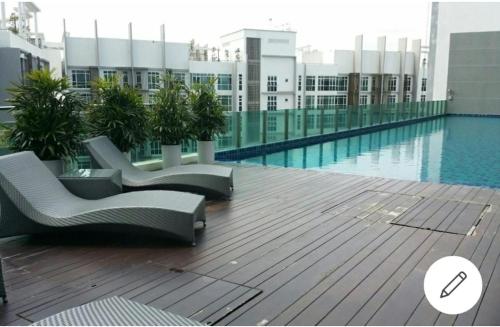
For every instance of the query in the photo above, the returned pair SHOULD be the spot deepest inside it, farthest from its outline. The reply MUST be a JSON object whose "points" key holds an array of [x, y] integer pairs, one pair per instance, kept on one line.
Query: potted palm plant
{"points": [[170, 119], [208, 119], [47, 119], [119, 113]]}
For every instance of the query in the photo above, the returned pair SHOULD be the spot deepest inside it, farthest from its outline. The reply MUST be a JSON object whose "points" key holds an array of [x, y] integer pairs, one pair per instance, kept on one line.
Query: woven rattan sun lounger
{"points": [[209, 180], [116, 311], [33, 200]]}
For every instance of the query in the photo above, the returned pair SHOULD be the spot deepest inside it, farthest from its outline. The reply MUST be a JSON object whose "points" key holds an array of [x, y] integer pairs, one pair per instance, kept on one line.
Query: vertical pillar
{"points": [[131, 49]]}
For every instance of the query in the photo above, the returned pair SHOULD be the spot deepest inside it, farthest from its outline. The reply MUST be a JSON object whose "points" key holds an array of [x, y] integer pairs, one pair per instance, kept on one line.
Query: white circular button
{"points": [[453, 285]]}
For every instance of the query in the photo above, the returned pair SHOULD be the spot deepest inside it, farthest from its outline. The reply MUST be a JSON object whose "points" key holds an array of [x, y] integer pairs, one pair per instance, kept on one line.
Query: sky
{"points": [[324, 25]]}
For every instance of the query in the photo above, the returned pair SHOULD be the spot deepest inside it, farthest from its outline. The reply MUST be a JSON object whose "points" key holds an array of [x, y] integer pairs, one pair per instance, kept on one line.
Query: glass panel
{"points": [[354, 111], [227, 140], [295, 124], [251, 128], [341, 118], [313, 122], [275, 126], [328, 121]]}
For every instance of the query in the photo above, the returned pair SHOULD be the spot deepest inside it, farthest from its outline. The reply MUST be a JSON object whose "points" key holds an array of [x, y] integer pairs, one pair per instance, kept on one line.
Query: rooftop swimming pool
{"points": [[451, 149]]}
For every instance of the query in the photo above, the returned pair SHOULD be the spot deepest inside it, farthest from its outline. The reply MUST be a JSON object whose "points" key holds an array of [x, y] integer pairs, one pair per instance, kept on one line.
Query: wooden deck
{"points": [[292, 247]]}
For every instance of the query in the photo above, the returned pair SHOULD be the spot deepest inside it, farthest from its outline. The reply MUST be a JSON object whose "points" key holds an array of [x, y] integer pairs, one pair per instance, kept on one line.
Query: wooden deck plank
{"points": [[291, 247]]}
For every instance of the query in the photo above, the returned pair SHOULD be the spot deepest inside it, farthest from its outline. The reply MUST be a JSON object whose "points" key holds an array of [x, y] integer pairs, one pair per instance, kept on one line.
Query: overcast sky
{"points": [[325, 25]]}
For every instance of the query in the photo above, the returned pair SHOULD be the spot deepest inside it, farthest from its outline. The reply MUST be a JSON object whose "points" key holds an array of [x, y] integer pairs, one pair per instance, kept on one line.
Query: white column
{"points": [[36, 23], [4, 19]]}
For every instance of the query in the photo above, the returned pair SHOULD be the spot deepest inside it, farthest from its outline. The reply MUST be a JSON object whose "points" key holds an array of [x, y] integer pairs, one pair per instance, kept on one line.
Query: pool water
{"points": [[452, 150]]}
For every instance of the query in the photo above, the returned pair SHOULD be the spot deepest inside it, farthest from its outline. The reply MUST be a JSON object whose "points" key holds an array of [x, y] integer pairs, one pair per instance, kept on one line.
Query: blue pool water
{"points": [[452, 150]]}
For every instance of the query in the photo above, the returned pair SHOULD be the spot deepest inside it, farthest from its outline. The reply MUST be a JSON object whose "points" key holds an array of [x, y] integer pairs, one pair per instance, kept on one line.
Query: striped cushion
{"points": [[115, 311]]}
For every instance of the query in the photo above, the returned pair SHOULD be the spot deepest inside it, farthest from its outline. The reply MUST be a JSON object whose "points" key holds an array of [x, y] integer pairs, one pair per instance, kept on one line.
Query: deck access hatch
{"points": [[446, 216]]}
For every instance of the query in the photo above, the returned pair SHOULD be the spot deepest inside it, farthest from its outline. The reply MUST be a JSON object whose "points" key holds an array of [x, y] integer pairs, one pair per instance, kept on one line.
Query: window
{"points": [[87, 97], [422, 98], [310, 83], [240, 103], [200, 78], [391, 99], [327, 83], [125, 78], [363, 100], [407, 83], [299, 101], [342, 83], [272, 123], [224, 82], [393, 83], [109, 74], [407, 98], [179, 76], [341, 100], [326, 101], [272, 84], [138, 80], [226, 102], [299, 83], [310, 101], [310, 121], [424, 84], [80, 79], [364, 83], [271, 103], [155, 148], [240, 82], [153, 80]]}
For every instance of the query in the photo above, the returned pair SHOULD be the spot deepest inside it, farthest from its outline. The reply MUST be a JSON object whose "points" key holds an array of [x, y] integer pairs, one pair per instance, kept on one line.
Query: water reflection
{"points": [[452, 150]]}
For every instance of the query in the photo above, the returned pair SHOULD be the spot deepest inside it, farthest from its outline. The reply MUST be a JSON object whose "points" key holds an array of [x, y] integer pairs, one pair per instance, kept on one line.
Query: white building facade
{"points": [[259, 69], [23, 49]]}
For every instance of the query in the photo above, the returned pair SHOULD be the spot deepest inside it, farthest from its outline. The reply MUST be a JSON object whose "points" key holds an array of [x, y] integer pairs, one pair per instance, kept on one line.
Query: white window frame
{"points": [[363, 99], [393, 84], [310, 83], [226, 102], [364, 84], [154, 81], [327, 83], [272, 83], [423, 88], [391, 99], [224, 82], [308, 104], [78, 73], [272, 103], [108, 74]]}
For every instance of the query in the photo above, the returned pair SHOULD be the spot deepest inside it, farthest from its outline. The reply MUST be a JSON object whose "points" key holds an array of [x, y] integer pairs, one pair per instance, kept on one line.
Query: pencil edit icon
{"points": [[453, 284]]}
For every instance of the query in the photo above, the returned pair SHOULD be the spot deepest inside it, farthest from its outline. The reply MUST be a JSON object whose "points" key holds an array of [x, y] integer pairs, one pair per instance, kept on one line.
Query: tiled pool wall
{"points": [[252, 151]]}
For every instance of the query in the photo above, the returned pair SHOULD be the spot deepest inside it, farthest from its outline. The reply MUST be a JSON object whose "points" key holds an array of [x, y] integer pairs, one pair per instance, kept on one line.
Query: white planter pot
{"points": [[128, 155], [171, 155], [206, 152], [55, 166]]}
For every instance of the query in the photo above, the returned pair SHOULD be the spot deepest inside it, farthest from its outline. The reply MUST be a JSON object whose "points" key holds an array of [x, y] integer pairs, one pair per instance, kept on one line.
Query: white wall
{"points": [[344, 59], [80, 52], [371, 62], [282, 68], [455, 17], [391, 64]]}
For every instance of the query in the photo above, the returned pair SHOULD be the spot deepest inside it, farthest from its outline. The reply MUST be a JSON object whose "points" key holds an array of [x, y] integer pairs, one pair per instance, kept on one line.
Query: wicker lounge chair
{"points": [[209, 180], [33, 200], [116, 311]]}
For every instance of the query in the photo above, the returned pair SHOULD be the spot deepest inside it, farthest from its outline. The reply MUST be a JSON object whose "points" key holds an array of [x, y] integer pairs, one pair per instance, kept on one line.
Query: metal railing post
{"points": [[286, 124], [264, 127], [304, 131], [335, 120], [238, 129], [321, 120]]}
